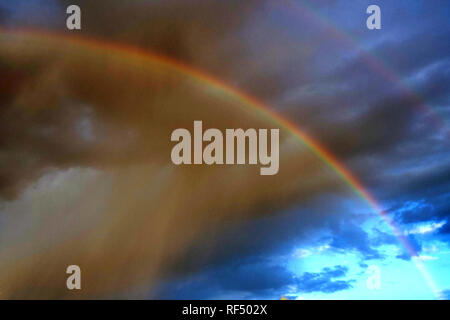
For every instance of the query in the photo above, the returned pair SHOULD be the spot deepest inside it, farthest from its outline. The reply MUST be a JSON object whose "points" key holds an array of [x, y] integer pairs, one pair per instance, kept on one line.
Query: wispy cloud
{"points": [[426, 228]]}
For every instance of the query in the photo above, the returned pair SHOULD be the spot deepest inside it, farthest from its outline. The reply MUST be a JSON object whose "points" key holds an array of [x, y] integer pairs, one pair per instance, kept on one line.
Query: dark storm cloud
{"points": [[196, 32], [368, 120], [313, 223], [199, 32], [220, 39], [403, 57], [246, 277], [384, 126], [423, 197], [324, 281], [353, 239], [373, 100], [69, 108], [383, 112], [255, 279]]}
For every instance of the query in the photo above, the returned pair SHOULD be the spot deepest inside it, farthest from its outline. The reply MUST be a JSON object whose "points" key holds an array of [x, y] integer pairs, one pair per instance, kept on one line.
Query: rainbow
{"points": [[324, 155], [306, 11]]}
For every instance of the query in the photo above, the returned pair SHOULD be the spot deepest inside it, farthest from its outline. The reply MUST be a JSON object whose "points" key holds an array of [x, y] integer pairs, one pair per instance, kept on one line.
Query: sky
{"points": [[408, 156], [377, 99]]}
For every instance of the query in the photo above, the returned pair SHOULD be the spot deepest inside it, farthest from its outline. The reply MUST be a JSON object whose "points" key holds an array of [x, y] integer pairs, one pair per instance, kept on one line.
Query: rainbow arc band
{"points": [[304, 9], [314, 146]]}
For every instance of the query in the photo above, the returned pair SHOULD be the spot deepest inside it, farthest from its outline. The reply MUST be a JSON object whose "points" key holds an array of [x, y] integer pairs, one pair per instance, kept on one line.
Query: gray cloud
{"points": [[247, 279]]}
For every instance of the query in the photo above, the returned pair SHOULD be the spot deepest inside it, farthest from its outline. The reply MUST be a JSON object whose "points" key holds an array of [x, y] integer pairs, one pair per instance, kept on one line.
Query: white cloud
{"points": [[303, 253], [426, 258], [426, 228]]}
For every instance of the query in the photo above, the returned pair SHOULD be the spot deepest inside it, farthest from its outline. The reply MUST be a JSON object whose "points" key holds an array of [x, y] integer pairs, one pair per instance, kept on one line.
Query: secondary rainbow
{"points": [[304, 9]]}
